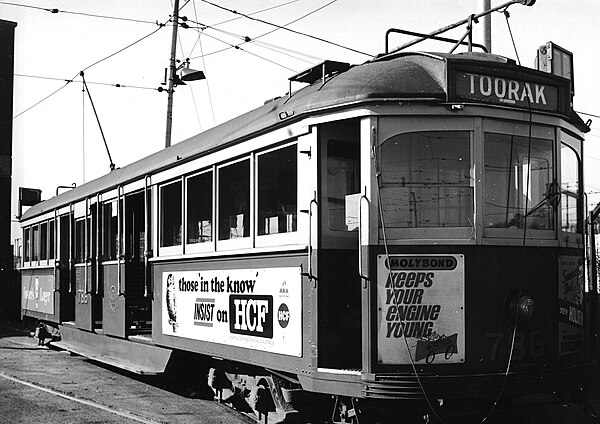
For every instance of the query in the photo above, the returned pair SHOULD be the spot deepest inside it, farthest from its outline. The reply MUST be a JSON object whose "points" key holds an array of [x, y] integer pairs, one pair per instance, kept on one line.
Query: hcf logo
{"points": [[251, 315]]}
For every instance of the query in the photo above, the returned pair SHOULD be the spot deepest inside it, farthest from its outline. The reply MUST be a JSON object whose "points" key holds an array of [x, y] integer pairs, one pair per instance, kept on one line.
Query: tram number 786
{"points": [[526, 344], [82, 297]]}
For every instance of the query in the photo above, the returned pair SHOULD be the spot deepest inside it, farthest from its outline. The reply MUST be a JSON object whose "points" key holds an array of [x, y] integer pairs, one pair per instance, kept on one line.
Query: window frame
{"points": [[240, 242], [576, 146], [521, 129], [291, 237], [207, 246], [178, 248], [390, 126]]}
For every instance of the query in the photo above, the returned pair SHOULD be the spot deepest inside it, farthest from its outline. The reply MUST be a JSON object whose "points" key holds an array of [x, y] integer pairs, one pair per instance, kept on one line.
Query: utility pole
{"points": [[172, 73]]}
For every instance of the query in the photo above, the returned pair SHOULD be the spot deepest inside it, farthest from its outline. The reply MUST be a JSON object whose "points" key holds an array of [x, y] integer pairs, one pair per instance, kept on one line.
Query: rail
{"points": [[467, 20], [147, 228], [361, 273]]}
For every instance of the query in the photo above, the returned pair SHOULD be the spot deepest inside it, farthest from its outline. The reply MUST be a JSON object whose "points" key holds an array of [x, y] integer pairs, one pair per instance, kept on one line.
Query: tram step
{"points": [[139, 358]]}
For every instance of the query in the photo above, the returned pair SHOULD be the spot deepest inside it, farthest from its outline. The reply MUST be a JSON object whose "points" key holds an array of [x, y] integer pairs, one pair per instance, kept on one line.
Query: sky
{"points": [[57, 141]]}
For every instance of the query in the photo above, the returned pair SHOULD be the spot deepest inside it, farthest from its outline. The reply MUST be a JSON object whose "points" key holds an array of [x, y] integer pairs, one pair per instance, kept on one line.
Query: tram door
{"points": [[87, 303], [63, 269], [126, 305], [338, 282], [137, 298]]}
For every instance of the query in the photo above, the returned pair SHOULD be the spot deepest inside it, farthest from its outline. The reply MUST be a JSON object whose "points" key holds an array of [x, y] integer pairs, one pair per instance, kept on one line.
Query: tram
{"points": [[401, 232]]}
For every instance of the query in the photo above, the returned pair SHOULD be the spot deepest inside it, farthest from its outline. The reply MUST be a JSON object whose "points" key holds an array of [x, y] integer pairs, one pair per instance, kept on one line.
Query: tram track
{"points": [[120, 413], [38, 384]]}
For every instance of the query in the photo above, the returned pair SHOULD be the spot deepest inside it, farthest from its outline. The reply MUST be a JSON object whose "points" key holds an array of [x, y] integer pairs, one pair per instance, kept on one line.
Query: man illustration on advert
{"points": [[171, 303]]}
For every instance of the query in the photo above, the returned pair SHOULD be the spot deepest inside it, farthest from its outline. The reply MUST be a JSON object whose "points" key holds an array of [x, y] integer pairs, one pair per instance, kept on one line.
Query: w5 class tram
{"points": [[406, 229]]}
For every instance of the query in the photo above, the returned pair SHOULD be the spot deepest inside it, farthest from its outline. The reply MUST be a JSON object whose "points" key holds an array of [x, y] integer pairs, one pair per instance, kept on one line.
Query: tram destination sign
{"points": [[509, 91]]}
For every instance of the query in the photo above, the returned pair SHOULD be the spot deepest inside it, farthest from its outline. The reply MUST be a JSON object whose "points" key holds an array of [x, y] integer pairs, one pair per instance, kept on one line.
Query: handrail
{"points": [[55, 248], [99, 215], [71, 276], [427, 36], [310, 246], [360, 259], [147, 251], [464, 21], [120, 255], [86, 246]]}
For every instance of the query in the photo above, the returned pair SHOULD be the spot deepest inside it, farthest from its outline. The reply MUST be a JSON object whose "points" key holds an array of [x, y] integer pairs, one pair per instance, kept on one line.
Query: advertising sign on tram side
{"points": [[570, 304], [37, 293], [420, 300], [251, 308]]}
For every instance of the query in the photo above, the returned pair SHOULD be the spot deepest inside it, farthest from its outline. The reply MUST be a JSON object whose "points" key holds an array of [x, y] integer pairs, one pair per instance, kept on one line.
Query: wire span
{"points": [[90, 15], [287, 29]]}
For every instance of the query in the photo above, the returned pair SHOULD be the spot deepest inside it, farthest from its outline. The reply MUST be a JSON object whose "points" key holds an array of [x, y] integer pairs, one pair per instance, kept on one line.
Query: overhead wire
{"points": [[237, 47], [88, 67], [117, 85], [199, 43], [247, 39], [287, 29], [181, 48], [257, 12], [90, 15]]}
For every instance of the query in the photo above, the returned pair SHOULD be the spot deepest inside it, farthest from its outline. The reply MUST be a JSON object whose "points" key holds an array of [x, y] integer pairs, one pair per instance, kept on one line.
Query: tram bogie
{"points": [[408, 229]]}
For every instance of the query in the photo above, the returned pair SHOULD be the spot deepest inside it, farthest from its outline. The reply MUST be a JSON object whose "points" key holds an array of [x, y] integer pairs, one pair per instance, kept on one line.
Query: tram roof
{"points": [[409, 76]]}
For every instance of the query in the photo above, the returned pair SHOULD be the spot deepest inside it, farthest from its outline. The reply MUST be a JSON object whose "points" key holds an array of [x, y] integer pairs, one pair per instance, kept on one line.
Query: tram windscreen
{"points": [[426, 180], [518, 182], [570, 165]]}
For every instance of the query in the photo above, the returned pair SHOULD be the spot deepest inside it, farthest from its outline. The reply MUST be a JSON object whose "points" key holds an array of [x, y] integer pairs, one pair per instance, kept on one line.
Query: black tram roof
{"points": [[401, 76]]}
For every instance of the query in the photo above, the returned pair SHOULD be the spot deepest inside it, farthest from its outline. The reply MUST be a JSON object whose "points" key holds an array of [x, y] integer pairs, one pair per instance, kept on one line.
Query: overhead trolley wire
{"points": [[199, 43], [278, 49], [287, 29], [117, 85], [237, 47], [91, 15], [125, 48], [257, 12], [88, 67]]}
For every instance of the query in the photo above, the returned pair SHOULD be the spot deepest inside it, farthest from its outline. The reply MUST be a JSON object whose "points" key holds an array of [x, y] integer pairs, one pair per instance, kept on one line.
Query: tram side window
{"points": [[44, 241], [52, 241], [79, 240], [170, 214], [343, 179], [570, 190], [426, 180], [110, 231], [26, 244], [35, 243], [234, 200], [199, 198], [277, 191], [519, 179]]}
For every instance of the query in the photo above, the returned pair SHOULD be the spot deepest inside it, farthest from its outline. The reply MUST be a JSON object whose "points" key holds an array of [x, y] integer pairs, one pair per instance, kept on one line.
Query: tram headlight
{"points": [[520, 308]]}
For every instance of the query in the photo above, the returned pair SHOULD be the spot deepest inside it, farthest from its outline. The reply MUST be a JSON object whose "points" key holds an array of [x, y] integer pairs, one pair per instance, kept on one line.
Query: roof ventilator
{"points": [[318, 72]]}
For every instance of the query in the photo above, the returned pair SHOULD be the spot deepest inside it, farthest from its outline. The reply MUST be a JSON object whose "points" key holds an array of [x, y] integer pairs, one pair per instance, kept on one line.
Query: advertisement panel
{"points": [[420, 300], [37, 293], [251, 308], [570, 304]]}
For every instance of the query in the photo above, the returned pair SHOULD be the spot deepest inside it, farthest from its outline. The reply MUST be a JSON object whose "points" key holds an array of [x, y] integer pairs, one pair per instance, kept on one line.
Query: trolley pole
{"points": [[172, 71], [486, 21]]}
